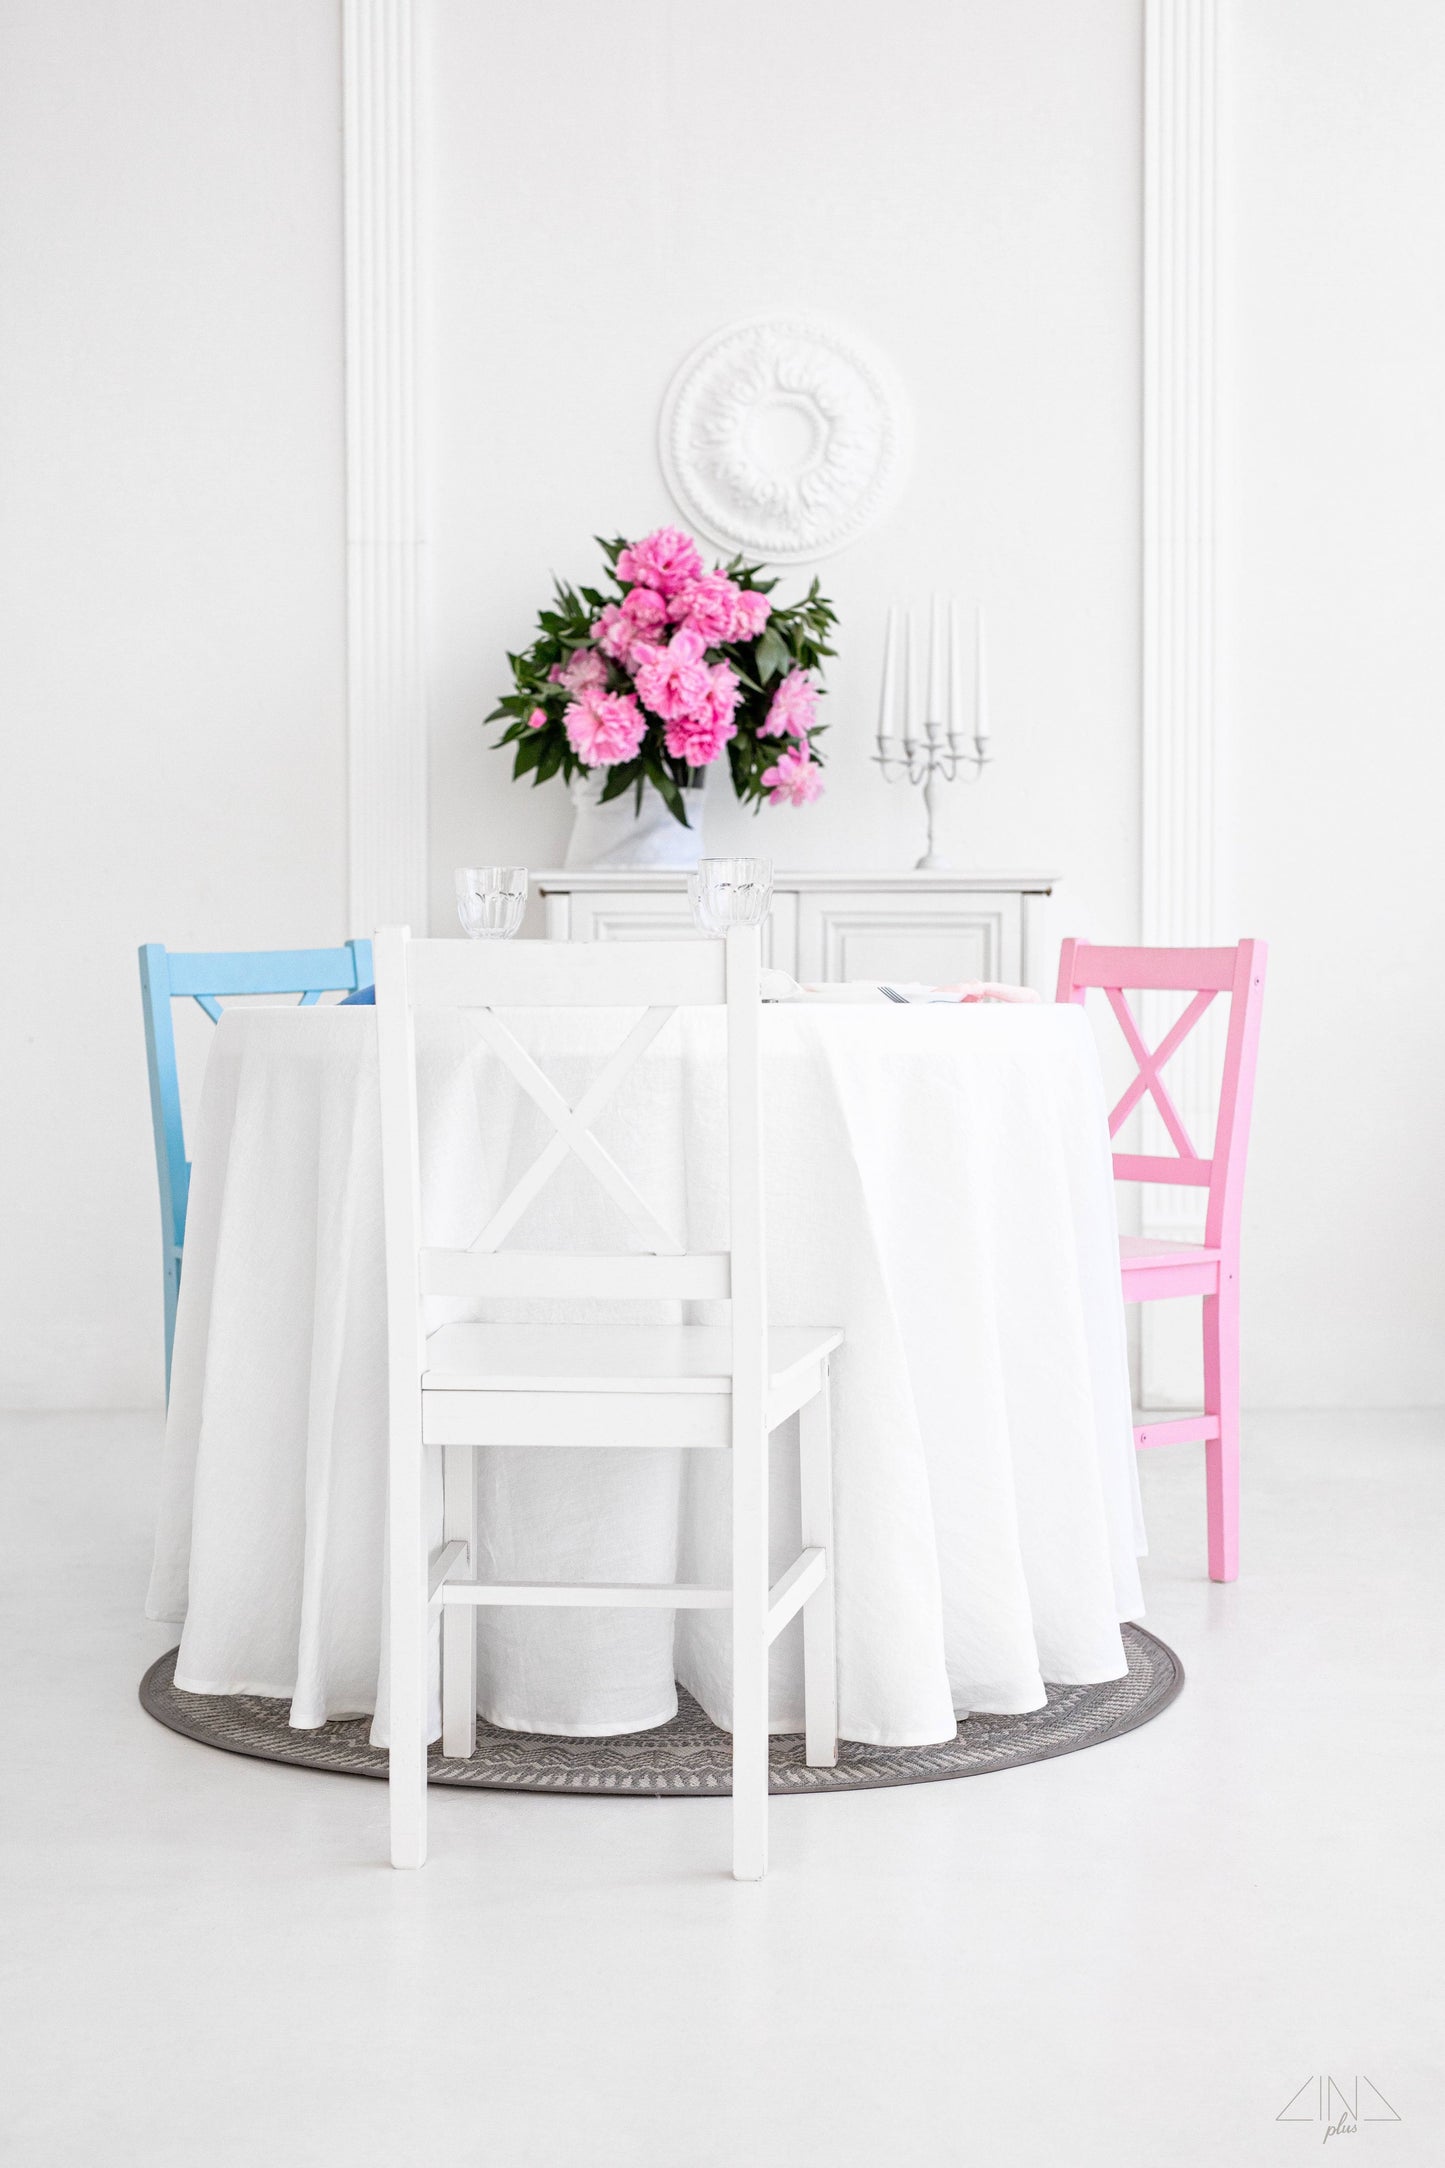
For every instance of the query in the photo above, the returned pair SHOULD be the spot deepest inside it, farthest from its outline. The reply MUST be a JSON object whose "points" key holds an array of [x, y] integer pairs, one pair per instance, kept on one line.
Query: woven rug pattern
{"points": [[688, 1757]]}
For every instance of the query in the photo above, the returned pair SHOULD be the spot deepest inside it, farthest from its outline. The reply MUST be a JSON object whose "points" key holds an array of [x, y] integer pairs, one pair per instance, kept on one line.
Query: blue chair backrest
{"points": [[206, 980]]}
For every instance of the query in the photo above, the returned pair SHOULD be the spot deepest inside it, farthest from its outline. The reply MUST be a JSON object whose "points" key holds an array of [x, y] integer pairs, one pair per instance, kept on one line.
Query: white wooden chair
{"points": [[467, 1386]]}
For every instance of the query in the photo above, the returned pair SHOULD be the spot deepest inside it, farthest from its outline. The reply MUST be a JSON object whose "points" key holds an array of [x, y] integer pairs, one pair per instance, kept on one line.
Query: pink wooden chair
{"points": [[1154, 1270]]}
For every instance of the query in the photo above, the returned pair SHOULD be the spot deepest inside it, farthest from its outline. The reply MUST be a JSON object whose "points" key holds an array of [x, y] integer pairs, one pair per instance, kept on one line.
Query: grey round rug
{"points": [[688, 1757]]}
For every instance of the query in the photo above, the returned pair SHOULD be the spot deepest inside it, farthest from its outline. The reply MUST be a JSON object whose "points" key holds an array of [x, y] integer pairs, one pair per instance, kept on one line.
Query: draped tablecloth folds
{"points": [[939, 1185]]}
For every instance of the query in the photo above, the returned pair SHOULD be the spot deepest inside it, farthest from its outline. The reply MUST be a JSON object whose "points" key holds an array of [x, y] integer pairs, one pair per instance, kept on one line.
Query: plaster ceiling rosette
{"points": [[784, 438]]}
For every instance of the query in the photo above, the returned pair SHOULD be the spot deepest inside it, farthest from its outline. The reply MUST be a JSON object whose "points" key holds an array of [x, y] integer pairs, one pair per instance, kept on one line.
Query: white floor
{"points": [[1134, 1956]]}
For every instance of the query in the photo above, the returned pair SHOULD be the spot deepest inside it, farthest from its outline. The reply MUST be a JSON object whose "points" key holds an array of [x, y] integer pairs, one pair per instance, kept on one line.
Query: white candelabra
{"points": [[931, 748]]}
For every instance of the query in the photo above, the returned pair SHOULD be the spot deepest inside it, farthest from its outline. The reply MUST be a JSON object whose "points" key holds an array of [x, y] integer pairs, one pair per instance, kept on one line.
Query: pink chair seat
{"points": [[1153, 1271]]}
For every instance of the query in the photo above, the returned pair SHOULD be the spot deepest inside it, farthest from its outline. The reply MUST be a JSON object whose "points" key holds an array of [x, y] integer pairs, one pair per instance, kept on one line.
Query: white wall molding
{"points": [[386, 677], [1180, 754], [844, 460]]}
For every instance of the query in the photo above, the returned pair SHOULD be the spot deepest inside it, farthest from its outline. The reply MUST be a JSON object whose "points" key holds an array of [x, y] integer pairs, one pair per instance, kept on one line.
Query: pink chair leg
{"points": [[1221, 1454]]}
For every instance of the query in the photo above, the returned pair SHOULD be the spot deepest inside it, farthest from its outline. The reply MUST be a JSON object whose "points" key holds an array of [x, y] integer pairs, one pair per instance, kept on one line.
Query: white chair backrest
{"points": [[482, 977]]}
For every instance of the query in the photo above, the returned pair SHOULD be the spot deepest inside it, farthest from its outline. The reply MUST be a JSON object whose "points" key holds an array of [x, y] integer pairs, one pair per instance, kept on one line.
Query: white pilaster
{"points": [[1180, 751], [386, 703]]}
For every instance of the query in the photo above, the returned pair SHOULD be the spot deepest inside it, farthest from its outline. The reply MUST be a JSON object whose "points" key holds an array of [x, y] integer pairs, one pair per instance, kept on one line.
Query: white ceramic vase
{"points": [[616, 834]]}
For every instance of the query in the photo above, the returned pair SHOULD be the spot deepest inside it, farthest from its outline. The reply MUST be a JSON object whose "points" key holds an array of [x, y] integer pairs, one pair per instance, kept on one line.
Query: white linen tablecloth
{"points": [[939, 1185]]}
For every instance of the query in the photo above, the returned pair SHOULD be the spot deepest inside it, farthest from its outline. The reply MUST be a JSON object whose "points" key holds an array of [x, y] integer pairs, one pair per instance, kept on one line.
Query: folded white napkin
{"points": [[777, 986]]}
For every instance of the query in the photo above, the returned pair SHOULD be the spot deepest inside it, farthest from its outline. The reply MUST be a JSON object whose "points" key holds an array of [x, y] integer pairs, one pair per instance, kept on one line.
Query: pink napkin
{"points": [[777, 986], [978, 990]]}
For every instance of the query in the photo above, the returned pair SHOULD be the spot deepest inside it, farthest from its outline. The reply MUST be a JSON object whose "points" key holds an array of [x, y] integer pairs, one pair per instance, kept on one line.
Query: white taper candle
{"points": [[955, 676], [981, 726], [935, 665], [887, 718]]}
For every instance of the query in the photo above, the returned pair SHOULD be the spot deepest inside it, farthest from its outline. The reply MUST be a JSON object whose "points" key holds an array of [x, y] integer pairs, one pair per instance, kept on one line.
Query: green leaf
{"points": [[666, 788], [620, 779], [773, 655]]}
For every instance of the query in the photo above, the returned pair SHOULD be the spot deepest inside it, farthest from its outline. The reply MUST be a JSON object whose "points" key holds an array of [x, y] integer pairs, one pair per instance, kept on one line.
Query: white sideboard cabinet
{"points": [[932, 926]]}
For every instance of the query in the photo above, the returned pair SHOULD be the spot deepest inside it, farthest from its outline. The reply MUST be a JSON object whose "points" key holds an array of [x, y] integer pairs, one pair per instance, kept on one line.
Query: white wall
{"points": [[605, 186], [610, 184], [1333, 627], [171, 580]]}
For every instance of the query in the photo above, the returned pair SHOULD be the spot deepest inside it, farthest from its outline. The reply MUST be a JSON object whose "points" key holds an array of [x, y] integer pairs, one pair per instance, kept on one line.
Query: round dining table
{"points": [[939, 1186]]}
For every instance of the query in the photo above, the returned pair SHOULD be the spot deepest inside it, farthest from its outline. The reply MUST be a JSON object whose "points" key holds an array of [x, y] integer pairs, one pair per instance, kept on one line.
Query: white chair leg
{"points": [[408, 1629], [459, 1620], [750, 1657], [820, 1654]]}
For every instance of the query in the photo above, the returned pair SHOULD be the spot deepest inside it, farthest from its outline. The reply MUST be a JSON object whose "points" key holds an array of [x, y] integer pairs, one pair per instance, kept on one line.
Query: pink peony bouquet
{"points": [[667, 671]]}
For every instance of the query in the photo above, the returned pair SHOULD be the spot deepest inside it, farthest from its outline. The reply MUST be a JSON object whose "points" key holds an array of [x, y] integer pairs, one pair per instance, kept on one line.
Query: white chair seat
{"points": [[610, 1358]]}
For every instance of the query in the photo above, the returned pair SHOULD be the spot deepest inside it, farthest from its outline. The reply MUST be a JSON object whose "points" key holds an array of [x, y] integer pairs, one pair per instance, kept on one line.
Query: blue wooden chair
{"points": [[165, 978]]}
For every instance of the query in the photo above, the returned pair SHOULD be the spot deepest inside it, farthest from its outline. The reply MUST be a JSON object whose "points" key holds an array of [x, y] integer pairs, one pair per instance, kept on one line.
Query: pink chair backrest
{"points": [[1204, 973]]}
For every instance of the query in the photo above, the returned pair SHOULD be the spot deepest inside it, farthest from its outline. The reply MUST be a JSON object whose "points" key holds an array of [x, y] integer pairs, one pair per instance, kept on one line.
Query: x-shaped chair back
{"points": [[1204, 973], [487, 980], [572, 1128]]}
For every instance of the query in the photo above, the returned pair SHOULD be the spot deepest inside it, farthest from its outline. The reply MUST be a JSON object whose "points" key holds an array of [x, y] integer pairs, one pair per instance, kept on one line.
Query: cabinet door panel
{"points": [[625, 916], [901, 937], [641, 915]]}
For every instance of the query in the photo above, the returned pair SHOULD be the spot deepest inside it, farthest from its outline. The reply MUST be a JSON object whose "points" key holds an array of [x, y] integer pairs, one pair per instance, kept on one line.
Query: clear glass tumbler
{"points": [[730, 892], [700, 918], [491, 900]]}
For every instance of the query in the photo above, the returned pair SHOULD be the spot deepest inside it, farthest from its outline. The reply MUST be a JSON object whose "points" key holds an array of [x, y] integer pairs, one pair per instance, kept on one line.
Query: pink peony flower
{"points": [[794, 778], [537, 718], [697, 739], [673, 680], [709, 605], [644, 609], [751, 612], [665, 559], [700, 737], [583, 667], [613, 634], [794, 708], [603, 727], [622, 625], [723, 690]]}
